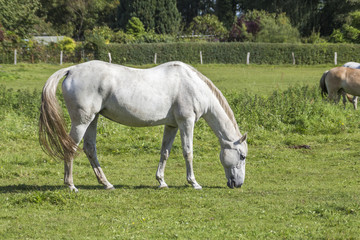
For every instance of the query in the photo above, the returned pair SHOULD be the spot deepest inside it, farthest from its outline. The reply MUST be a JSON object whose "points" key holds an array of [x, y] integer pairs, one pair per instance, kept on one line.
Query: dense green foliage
{"points": [[18, 17], [288, 193], [74, 18], [260, 53], [158, 15]]}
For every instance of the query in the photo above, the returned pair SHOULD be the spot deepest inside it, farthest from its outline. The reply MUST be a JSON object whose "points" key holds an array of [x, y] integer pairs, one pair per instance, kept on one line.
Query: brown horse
{"points": [[341, 81]]}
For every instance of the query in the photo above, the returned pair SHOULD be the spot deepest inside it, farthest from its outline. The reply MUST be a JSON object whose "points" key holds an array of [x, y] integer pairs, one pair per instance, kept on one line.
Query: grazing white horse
{"points": [[172, 94]]}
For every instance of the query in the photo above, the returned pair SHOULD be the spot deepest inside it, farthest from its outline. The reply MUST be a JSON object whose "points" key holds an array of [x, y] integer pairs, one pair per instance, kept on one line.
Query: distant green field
{"points": [[290, 192], [253, 78]]}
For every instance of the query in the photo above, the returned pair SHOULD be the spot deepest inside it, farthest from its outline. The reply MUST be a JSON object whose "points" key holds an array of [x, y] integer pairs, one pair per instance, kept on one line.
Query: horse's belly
{"points": [[352, 88], [140, 113]]}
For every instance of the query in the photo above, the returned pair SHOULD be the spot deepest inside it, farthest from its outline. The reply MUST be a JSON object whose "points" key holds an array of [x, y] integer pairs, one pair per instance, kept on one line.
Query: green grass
{"points": [[227, 77], [288, 193]]}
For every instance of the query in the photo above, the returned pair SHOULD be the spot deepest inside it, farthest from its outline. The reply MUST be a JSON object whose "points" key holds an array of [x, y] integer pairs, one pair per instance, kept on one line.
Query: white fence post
{"points": [[15, 57], [293, 57], [201, 60], [155, 58], [61, 57], [248, 58], [109, 54], [335, 58]]}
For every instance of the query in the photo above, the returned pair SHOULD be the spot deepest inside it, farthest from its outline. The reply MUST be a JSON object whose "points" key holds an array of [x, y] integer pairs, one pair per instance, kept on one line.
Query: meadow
{"points": [[290, 192]]}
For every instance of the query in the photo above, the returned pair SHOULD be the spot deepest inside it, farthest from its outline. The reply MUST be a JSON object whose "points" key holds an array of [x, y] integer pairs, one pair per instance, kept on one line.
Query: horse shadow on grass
{"points": [[21, 188]]}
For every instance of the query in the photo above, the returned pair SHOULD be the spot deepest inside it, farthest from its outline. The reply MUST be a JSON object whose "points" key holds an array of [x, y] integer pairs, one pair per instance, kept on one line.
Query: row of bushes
{"points": [[234, 53]]}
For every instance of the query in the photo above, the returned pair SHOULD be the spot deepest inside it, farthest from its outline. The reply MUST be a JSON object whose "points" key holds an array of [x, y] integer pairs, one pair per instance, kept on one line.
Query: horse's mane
{"points": [[220, 97]]}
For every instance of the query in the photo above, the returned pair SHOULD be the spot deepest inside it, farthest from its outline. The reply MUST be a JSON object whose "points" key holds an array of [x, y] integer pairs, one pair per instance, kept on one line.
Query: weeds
{"points": [[298, 109]]}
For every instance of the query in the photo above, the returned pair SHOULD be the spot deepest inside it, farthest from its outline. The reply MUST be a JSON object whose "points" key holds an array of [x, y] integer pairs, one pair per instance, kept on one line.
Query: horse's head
{"points": [[232, 157]]}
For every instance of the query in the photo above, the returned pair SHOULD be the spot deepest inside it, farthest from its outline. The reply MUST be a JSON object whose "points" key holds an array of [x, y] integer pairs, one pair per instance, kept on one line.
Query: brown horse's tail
{"points": [[323, 88], [53, 135]]}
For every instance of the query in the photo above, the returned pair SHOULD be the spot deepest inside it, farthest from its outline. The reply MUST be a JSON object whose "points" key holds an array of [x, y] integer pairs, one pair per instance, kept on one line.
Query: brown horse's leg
{"points": [[343, 93], [354, 102], [334, 96]]}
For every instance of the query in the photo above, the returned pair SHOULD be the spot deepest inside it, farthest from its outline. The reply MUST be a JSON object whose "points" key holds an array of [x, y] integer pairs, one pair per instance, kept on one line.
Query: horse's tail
{"points": [[53, 136], [323, 85]]}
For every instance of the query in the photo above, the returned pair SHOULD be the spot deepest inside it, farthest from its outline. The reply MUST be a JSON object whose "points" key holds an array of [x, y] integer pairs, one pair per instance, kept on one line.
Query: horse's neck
{"points": [[221, 124]]}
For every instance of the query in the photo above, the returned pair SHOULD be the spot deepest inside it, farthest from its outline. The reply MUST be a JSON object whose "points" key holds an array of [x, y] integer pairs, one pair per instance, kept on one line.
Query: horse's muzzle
{"points": [[233, 184]]}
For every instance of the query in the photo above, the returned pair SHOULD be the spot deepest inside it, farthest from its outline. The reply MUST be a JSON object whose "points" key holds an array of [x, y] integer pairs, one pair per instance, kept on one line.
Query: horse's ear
{"points": [[243, 138]]}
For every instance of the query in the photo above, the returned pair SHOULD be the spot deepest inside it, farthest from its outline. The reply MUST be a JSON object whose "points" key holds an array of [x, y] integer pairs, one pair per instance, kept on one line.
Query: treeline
{"points": [[129, 21], [91, 25]]}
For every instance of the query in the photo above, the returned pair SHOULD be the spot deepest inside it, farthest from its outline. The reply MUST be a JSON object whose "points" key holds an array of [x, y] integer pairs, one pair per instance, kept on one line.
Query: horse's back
{"points": [[135, 97]]}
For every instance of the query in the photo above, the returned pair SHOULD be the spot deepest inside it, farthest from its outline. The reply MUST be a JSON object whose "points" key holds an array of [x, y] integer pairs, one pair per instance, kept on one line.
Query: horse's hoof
{"points": [[197, 187], [73, 189], [110, 188], [162, 186]]}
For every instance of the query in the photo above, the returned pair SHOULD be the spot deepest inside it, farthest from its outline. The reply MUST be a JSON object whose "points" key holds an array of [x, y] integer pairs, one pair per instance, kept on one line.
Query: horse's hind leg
{"points": [[90, 151], [168, 139], [354, 102]]}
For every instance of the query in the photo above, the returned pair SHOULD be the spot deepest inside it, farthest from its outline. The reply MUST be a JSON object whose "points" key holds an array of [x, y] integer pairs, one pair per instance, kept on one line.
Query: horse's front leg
{"points": [[168, 139], [343, 93], [187, 132]]}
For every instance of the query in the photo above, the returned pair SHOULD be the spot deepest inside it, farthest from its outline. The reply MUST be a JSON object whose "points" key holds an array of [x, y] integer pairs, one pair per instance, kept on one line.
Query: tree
{"points": [[167, 17], [303, 15], [335, 13], [19, 16], [189, 9], [276, 28], [261, 26], [135, 27], [245, 28], [350, 31], [159, 15], [72, 18], [208, 25], [226, 11]]}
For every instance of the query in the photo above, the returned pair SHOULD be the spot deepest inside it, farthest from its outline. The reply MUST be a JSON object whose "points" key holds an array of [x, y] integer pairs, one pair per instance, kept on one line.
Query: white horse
{"points": [[352, 65], [172, 94], [353, 99]]}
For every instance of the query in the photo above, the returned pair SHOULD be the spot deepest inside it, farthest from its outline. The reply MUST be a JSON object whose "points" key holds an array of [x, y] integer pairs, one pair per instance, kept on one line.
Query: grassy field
{"points": [[289, 193]]}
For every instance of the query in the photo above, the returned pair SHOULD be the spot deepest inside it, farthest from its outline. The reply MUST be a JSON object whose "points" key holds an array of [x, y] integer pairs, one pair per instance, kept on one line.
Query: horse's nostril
{"points": [[231, 183]]}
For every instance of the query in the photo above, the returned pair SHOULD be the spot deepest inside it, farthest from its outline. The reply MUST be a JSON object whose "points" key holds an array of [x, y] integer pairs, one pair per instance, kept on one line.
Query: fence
{"points": [[194, 53], [45, 55]]}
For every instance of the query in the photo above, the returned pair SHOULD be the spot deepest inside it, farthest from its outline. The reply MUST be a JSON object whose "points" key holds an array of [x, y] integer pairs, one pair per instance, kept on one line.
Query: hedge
{"points": [[233, 53], [230, 52]]}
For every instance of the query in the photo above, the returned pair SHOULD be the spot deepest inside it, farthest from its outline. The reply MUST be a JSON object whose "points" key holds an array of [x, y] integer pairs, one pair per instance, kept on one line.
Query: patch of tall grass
{"points": [[298, 110]]}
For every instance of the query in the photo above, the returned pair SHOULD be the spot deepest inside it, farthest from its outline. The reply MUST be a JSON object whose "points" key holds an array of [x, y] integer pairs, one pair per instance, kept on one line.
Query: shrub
{"points": [[208, 25], [68, 45], [135, 27]]}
